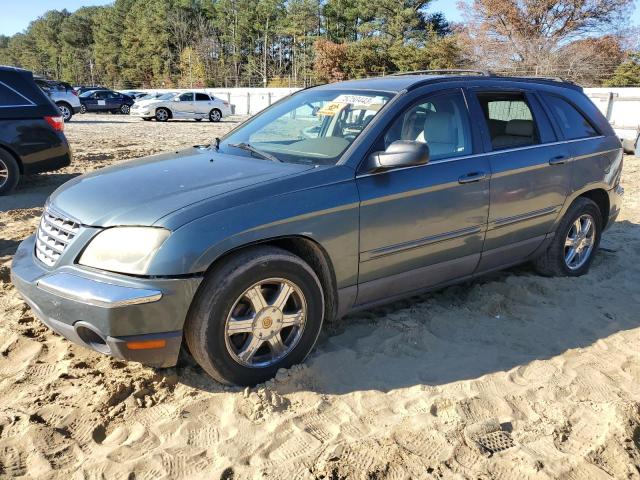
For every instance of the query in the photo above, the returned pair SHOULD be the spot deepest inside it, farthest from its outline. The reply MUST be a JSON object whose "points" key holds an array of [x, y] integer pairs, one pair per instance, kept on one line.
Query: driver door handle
{"points": [[559, 160], [472, 177]]}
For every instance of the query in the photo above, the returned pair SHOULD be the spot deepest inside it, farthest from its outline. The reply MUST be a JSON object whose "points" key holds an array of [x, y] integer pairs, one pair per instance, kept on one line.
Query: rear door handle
{"points": [[559, 160], [472, 177]]}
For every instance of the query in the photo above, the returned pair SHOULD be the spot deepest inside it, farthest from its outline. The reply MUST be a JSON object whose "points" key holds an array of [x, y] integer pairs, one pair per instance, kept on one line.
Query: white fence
{"points": [[621, 106]]}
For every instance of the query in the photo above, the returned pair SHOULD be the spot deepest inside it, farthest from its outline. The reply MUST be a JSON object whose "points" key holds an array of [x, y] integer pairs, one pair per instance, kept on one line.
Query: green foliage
{"points": [[627, 74], [137, 43]]}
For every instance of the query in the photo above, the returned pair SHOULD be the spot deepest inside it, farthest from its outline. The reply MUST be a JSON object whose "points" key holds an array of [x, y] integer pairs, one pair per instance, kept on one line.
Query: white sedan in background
{"points": [[195, 105]]}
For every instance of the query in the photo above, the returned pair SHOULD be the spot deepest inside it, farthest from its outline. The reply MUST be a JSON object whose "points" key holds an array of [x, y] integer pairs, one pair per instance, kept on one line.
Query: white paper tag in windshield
{"points": [[354, 99]]}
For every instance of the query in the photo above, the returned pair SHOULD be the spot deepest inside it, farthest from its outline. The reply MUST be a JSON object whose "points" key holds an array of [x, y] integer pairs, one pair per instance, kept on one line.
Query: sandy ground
{"points": [[397, 392]]}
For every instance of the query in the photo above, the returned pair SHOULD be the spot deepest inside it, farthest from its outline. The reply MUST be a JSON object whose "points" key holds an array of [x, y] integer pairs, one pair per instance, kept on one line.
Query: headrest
{"points": [[519, 128], [439, 127]]}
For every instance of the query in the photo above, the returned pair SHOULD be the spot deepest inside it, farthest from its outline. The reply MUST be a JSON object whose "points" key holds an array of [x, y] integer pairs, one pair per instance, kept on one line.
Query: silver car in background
{"points": [[62, 94], [185, 105]]}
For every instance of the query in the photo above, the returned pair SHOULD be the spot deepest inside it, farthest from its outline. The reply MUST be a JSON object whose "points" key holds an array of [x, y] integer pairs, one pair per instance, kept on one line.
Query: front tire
{"points": [[575, 241], [9, 172], [65, 110], [258, 311], [215, 115], [162, 115], [83, 109]]}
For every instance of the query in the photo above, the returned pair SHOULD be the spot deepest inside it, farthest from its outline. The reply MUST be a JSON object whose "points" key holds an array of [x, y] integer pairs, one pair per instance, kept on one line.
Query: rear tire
{"points": [[243, 338], [9, 172], [215, 115], [125, 109], [83, 109], [572, 250]]}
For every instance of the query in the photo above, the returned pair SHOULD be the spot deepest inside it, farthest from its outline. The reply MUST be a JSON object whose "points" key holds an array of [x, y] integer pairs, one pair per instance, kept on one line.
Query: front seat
{"points": [[439, 133]]}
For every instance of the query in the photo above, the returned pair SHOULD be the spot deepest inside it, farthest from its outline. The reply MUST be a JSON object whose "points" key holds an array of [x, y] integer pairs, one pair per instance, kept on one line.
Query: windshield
{"points": [[166, 96], [314, 126]]}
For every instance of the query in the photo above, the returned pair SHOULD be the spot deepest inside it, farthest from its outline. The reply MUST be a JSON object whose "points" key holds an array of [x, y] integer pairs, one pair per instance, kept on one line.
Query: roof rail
{"points": [[445, 71]]}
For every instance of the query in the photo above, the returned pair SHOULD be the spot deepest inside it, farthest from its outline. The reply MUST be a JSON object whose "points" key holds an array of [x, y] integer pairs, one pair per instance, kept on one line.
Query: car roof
{"points": [[398, 82]]}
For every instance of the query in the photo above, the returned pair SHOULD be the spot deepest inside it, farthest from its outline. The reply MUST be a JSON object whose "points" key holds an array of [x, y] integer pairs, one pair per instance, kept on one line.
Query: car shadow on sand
{"points": [[494, 324], [33, 190]]}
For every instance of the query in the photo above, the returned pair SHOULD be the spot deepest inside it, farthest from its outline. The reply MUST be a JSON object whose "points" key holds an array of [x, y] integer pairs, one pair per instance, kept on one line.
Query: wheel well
{"points": [[601, 198], [15, 157], [66, 103], [312, 253]]}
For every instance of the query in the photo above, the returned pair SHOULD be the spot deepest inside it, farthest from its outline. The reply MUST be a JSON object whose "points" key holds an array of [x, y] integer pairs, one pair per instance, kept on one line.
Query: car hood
{"points": [[142, 191]]}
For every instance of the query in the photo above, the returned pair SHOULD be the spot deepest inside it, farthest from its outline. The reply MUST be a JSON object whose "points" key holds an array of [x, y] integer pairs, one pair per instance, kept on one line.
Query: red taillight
{"points": [[75, 92], [56, 122]]}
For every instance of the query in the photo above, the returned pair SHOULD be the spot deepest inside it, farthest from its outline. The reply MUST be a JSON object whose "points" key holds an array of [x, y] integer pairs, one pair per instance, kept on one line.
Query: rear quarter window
{"points": [[574, 124], [12, 98]]}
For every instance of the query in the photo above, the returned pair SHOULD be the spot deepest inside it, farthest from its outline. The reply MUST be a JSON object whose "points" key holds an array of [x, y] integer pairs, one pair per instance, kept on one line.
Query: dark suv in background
{"points": [[31, 129], [336, 198]]}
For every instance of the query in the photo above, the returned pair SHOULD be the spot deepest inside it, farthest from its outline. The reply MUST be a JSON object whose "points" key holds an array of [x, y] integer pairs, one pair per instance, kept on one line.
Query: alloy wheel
{"points": [[124, 109], [215, 116], [162, 115], [265, 323], [65, 112], [579, 242], [4, 173]]}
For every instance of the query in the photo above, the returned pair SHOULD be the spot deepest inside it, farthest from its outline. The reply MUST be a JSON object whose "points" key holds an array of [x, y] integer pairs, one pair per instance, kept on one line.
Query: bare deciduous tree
{"points": [[532, 36]]}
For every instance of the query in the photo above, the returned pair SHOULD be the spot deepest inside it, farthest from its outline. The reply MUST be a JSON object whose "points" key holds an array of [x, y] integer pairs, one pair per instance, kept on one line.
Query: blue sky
{"points": [[16, 14]]}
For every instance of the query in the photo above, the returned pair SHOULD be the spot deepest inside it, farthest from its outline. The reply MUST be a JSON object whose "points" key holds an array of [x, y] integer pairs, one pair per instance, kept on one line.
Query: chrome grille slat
{"points": [[55, 233]]}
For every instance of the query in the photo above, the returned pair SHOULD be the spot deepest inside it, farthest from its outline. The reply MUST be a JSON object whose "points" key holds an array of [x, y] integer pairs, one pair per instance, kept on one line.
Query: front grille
{"points": [[55, 233]]}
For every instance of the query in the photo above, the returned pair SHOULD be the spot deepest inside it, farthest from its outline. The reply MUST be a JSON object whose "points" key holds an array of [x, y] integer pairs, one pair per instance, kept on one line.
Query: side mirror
{"points": [[176, 99], [401, 153]]}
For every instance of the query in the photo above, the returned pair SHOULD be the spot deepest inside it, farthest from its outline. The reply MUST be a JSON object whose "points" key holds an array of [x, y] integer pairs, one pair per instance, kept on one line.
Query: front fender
{"points": [[327, 214]]}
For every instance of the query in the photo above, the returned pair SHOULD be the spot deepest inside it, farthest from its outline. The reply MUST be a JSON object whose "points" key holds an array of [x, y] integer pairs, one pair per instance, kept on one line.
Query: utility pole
{"points": [[190, 74]]}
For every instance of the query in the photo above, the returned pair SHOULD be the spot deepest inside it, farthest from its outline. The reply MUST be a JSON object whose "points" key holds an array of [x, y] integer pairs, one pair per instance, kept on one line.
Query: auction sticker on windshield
{"points": [[355, 99]]}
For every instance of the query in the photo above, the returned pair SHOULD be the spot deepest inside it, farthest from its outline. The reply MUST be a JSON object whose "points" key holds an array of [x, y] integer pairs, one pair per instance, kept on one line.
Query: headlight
{"points": [[124, 249]]}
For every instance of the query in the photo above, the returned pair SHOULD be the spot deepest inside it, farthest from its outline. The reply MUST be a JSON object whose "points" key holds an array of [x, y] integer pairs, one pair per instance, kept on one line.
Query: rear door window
{"points": [[574, 125], [509, 120], [202, 97]]}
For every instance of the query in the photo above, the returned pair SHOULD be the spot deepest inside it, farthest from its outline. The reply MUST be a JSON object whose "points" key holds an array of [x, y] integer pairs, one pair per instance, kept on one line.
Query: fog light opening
{"points": [[92, 338]]}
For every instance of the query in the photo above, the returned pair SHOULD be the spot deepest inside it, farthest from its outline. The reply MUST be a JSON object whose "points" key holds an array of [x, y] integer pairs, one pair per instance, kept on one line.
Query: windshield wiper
{"points": [[249, 148]]}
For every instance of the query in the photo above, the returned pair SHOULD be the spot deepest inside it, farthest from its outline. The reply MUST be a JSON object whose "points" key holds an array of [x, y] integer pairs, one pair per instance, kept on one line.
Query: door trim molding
{"points": [[503, 221], [421, 242]]}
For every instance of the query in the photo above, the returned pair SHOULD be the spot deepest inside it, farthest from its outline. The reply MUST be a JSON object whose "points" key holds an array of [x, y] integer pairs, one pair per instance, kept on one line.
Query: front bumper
{"points": [[140, 112], [110, 313]]}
